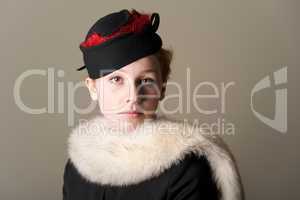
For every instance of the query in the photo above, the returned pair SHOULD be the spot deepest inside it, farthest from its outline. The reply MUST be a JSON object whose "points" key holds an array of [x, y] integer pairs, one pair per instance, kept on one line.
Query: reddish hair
{"points": [[165, 57]]}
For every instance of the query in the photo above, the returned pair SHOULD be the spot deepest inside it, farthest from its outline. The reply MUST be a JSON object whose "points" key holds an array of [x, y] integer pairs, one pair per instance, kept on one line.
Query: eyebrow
{"points": [[150, 70], [146, 70]]}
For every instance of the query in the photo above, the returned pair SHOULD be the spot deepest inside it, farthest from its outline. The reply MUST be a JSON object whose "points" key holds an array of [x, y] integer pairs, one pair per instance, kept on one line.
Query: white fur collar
{"points": [[111, 157]]}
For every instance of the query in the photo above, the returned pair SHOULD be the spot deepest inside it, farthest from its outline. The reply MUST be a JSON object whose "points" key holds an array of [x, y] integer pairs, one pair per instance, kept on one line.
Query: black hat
{"points": [[118, 39]]}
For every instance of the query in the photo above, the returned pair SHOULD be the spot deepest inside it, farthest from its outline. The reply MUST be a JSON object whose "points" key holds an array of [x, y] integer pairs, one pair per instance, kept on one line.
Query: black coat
{"points": [[101, 168], [191, 179]]}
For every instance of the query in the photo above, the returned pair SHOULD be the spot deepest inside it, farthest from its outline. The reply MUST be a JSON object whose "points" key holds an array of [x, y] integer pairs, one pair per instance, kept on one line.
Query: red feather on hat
{"points": [[136, 24]]}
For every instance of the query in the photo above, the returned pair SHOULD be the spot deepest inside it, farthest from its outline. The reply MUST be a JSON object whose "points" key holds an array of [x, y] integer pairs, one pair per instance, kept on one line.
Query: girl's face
{"points": [[130, 94]]}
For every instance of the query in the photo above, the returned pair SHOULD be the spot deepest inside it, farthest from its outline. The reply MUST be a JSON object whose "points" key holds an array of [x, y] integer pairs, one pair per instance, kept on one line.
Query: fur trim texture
{"points": [[107, 156]]}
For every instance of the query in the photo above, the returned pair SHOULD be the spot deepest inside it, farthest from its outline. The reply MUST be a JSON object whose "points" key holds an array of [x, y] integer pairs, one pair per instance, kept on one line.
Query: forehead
{"points": [[146, 64]]}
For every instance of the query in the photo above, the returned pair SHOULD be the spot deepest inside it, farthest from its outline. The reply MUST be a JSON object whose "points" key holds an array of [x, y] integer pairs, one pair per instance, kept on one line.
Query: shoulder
{"points": [[192, 166], [71, 175], [193, 177], [69, 169]]}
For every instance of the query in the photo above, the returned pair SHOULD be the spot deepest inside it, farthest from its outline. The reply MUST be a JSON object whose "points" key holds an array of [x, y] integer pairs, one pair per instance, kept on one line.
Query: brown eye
{"points": [[147, 80], [116, 79]]}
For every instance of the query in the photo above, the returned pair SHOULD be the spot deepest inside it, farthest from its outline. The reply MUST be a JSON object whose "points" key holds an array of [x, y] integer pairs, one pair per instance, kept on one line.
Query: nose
{"points": [[133, 93]]}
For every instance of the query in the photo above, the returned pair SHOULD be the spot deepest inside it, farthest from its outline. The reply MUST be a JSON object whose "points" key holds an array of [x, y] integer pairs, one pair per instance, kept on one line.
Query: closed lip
{"points": [[131, 112]]}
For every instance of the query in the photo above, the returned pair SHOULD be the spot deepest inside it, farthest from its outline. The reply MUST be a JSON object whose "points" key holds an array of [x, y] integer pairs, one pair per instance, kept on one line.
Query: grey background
{"points": [[220, 41]]}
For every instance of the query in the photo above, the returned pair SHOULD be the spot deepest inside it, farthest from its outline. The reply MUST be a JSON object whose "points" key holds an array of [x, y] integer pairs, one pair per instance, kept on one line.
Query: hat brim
{"points": [[81, 68]]}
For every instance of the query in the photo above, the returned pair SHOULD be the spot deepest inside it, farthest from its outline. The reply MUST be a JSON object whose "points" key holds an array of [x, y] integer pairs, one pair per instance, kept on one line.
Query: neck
{"points": [[126, 126]]}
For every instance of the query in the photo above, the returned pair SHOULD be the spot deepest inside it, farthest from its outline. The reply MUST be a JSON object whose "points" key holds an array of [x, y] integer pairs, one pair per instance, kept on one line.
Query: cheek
{"points": [[110, 100], [151, 99], [105, 97], [152, 93], [150, 106]]}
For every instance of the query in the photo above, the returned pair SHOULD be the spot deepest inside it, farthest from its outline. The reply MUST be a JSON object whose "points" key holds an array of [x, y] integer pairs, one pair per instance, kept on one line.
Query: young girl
{"points": [[129, 151]]}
